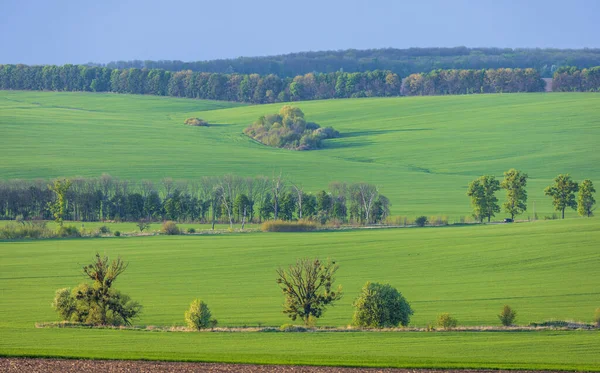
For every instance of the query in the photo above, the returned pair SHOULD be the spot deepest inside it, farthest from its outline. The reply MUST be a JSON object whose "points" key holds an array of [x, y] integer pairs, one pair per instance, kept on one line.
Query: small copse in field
{"points": [[507, 316], [289, 130], [196, 122]]}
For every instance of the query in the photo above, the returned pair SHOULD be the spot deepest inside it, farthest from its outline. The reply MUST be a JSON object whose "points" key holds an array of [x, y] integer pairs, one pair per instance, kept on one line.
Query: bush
{"points": [[104, 229], [381, 306], [507, 316], [198, 316], [446, 321], [68, 231], [191, 230], [421, 221], [597, 317], [292, 328], [117, 234], [170, 228], [288, 226], [196, 122]]}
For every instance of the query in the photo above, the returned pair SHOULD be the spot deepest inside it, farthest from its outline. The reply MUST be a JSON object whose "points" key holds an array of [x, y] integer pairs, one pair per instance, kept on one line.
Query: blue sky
{"points": [[58, 31]]}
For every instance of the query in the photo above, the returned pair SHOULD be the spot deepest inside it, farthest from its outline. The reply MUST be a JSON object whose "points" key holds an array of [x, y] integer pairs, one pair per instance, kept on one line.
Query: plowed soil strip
{"points": [[121, 366]]}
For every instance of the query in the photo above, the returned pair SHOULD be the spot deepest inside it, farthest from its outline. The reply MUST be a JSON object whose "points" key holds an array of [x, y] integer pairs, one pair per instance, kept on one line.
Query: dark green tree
{"points": [[563, 193], [482, 192], [516, 196]]}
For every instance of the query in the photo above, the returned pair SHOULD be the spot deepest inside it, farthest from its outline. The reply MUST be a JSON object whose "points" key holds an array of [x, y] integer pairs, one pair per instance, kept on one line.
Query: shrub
{"points": [[68, 231], [597, 317], [292, 328], [104, 229], [288, 226], [170, 228], [198, 316], [143, 224], [196, 122], [446, 321], [421, 221], [381, 306], [28, 229], [507, 316], [117, 234], [191, 230]]}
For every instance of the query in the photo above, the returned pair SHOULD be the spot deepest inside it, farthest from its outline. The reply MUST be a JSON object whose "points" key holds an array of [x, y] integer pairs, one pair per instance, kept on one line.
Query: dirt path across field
{"points": [[14, 365]]}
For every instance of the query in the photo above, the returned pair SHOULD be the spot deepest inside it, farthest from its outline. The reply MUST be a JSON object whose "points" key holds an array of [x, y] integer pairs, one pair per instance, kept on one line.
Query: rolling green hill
{"points": [[421, 151], [544, 270]]}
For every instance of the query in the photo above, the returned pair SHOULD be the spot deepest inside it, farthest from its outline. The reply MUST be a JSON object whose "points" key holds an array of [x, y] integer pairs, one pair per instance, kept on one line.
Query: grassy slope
{"points": [[422, 151], [545, 270]]}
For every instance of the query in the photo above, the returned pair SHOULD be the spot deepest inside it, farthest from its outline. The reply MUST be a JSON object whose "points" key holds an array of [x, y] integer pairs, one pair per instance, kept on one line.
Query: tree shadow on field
{"points": [[380, 132]]}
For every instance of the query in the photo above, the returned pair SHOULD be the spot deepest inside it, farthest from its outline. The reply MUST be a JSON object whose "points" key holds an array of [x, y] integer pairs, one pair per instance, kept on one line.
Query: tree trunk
{"points": [[563, 213]]}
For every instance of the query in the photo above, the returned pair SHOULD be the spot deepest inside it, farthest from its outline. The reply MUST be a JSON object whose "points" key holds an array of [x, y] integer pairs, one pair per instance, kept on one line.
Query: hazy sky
{"points": [[60, 31]]}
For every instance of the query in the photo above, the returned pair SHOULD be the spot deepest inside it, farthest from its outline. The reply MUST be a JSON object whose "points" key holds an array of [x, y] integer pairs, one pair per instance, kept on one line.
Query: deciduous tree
{"points": [[482, 192], [563, 193], [514, 183], [585, 199]]}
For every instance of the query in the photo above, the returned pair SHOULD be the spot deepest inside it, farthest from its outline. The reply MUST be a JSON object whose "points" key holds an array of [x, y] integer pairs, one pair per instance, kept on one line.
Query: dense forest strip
{"points": [[399, 61], [259, 89], [572, 79]]}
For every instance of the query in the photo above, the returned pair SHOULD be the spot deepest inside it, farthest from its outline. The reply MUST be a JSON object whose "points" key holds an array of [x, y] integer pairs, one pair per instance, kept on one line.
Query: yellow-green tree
{"points": [[563, 193], [59, 206], [514, 183], [585, 200]]}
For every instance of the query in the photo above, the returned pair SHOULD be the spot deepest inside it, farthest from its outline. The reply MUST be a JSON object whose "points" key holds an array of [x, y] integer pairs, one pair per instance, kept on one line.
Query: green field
{"points": [[545, 270], [421, 151]]}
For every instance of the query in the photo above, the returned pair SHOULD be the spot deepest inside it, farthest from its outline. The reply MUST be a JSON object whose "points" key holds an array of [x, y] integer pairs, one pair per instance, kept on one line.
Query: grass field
{"points": [[421, 151], [545, 270]]}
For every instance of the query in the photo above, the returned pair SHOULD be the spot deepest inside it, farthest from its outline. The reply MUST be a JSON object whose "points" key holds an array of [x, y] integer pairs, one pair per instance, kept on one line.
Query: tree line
{"points": [[227, 199], [253, 88], [572, 79], [485, 203], [400, 61], [455, 82]]}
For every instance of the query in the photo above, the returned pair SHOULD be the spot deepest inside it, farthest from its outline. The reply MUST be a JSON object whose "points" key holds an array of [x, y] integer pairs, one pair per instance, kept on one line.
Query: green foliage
{"points": [[58, 207], [289, 130], [307, 287], [196, 122], [288, 226], [97, 303], [104, 229], [446, 321], [29, 229], [482, 192], [562, 193], [117, 234], [68, 231], [198, 316], [191, 230], [292, 328], [585, 199], [516, 195], [507, 316], [381, 306], [597, 317], [170, 228], [143, 225], [421, 221]]}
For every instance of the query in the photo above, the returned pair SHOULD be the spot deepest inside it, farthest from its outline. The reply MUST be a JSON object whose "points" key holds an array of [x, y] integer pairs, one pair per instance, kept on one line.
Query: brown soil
{"points": [[118, 366]]}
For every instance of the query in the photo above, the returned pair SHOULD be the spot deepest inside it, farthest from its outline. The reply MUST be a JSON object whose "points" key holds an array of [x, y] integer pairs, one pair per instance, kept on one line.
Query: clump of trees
{"points": [[563, 192], [456, 82], [288, 226], [289, 130], [196, 122], [97, 303], [573, 79], [228, 199], [308, 288], [381, 306]]}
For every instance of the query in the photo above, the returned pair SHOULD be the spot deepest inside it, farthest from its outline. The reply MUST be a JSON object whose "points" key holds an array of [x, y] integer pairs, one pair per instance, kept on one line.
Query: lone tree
{"points": [[381, 306], [562, 193], [482, 192], [507, 316], [585, 199], [514, 183], [198, 316], [98, 303], [59, 206], [307, 287]]}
